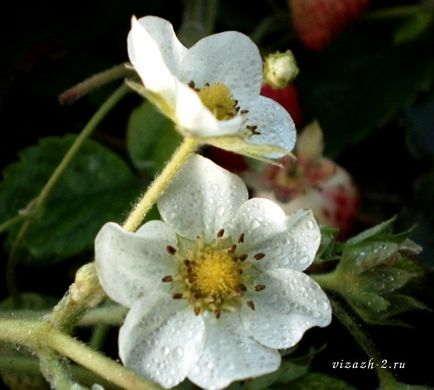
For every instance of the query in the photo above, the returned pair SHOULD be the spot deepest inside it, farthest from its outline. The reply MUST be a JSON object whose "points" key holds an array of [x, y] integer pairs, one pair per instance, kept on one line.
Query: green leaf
{"points": [[413, 27], [362, 81], [151, 138], [95, 188], [317, 381], [328, 248], [376, 232]]}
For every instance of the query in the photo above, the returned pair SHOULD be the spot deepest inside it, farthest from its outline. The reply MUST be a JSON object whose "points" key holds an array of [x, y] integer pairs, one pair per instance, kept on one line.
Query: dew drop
{"points": [[309, 225], [323, 305], [178, 352]]}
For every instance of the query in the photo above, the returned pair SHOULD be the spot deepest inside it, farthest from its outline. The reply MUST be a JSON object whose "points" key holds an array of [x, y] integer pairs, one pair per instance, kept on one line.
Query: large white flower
{"points": [[211, 90], [216, 287]]}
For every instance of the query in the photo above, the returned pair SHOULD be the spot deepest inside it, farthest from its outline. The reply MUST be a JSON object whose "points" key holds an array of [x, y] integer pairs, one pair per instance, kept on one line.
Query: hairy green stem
{"points": [[96, 81], [26, 365], [55, 372], [328, 281], [386, 378], [98, 337], [105, 315], [160, 184], [11, 222], [36, 206], [38, 335]]}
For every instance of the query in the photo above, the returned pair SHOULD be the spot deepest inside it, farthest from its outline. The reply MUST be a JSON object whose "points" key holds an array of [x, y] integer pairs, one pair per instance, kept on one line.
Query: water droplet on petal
{"points": [[178, 352], [323, 305]]}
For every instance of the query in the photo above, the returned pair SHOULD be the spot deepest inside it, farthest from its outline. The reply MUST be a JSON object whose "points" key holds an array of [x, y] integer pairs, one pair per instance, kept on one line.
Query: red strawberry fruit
{"points": [[317, 22]]}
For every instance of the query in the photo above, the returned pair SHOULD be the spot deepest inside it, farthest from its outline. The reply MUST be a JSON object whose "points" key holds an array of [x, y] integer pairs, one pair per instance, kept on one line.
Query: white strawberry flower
{"points": [[210, 91], [216, 288]]}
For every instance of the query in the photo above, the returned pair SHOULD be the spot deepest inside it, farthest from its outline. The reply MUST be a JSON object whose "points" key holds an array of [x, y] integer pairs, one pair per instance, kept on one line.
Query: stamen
{"points": [[241, 238], [220, 233], [253, 129], [232, 249], [259, 256], [243, 257], [171, 250], [251, 305], [167, 279], [259, 287]]}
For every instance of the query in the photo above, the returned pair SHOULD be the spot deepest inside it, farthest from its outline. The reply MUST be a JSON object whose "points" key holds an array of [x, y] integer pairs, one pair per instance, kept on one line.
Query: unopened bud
{"points": [[280, 69], [86, 286]]}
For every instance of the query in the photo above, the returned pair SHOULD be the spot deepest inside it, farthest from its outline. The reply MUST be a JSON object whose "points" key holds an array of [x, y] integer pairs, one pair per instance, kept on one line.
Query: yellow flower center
{"points": [[218, 99], [215, 277], [215, 274]]}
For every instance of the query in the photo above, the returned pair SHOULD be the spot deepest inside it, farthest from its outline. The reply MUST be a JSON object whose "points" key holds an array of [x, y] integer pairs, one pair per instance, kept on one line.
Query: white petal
{"points": [[130, 265], [287, 241], [195, 118], [201, 199], [290, 304], [275, 125], [161, 339], [156, 54], [230, 355], [230, 58]]}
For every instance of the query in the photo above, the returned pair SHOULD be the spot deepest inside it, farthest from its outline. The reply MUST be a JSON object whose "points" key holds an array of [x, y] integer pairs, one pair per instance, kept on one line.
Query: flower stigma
{"points": [[215, 277]]}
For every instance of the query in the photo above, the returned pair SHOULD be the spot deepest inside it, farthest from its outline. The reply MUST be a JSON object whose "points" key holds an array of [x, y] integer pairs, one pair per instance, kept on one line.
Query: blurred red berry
{"points": [[318, 21]]}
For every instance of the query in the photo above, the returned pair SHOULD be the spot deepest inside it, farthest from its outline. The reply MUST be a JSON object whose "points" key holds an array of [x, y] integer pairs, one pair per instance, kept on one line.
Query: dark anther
{"points": [[259, 256], [259, 287], [196, 310], [244, 111], [220, 233], [170, 250], [232, 249], [243, 257], [217, 313], [167, 279], [191, 84], [177, 296], [251, 305], [241, 238]]}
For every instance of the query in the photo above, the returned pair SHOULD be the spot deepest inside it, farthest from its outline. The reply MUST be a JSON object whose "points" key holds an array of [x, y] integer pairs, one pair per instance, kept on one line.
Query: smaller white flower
{"points": [[211, 90], [216, 288]]}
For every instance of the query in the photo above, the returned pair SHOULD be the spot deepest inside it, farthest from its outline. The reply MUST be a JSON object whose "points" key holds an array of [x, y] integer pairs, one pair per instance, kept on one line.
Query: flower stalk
{"points": [[38, 335], [387, 381], [160, 184]]}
